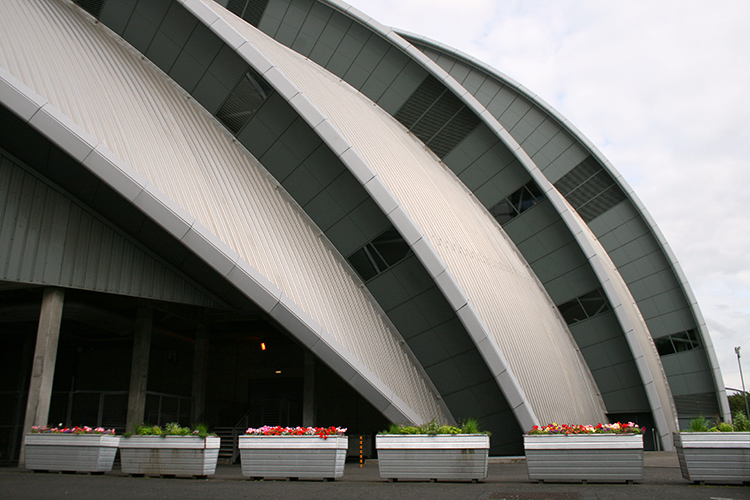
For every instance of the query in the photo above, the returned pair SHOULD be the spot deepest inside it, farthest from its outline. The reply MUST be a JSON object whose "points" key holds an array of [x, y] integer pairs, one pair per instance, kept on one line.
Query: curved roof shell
{"points": [[486, 137], [461, 246], [680, 311], [377, 61], [181, 168]]}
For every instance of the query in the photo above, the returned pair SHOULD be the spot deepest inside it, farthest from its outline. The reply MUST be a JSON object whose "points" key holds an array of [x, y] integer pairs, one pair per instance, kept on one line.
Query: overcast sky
{"points": [[662, 88]]}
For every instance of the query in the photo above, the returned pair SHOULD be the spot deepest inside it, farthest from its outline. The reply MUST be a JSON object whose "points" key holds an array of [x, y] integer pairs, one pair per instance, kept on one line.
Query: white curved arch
{"points": [[363, 162], [636, 332], [626, 188], [627, 313], [200, 146]]}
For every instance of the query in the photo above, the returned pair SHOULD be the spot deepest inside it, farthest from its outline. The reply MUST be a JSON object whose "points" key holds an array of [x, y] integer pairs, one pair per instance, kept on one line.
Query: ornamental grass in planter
{"points": [[274, 452], [171, 451], [70, 449], [716, 454], [583, 453], [432, 452]]}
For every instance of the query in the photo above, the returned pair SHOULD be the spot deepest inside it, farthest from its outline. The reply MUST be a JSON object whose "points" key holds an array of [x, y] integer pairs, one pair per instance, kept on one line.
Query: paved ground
{"points": [[507, 480]]}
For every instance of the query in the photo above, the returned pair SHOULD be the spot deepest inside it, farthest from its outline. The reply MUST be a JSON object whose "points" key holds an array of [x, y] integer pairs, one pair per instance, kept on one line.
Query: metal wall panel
{"points": [[535, 130], [555, 161], [154, 127], [49, 239], [546, 142], [484, 262], [562, 149], [346, 48]]}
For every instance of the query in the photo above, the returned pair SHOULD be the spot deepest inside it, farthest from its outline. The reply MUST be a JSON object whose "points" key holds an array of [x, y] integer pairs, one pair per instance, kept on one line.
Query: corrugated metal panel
{"points": [[169, 455], [49, 239], [718, 457], [590, 189], [159, 131], [250, 10], [694, 405], [437, 116], [641, 345], [243, 102], [93, 453], [93, 7], [302, 457], [566, 148], [522, 320], [566, 159]]}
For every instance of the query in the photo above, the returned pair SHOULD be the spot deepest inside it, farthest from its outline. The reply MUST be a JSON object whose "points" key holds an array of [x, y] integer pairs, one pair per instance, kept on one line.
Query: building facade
{"points": [[282, 211]]}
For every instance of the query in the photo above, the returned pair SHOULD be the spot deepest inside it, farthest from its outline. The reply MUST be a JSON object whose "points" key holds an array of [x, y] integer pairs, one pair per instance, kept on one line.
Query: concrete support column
{"points": [[308, 398], [43, 367], [139, 367], [200, 363]]}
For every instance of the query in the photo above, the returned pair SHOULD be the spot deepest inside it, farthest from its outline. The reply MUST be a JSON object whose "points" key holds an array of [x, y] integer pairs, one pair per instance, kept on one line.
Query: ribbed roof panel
{"points": [[106, 88], [522, 320]]}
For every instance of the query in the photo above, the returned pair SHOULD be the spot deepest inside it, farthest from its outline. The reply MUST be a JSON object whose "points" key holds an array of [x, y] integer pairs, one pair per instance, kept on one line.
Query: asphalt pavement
{"points": [[507, 479]]}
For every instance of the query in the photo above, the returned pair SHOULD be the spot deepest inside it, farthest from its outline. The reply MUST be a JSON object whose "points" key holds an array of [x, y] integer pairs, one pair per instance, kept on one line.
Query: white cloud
{"points": [[661, 89]]}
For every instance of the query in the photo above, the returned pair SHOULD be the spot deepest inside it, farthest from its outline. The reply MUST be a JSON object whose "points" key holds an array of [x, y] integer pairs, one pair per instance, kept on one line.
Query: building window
{"points": [[678, 342], [249, 10], [437, 117], [244, 101], [584, 307], [93, 7], [378, 255], [590, 189], [517, 203]]}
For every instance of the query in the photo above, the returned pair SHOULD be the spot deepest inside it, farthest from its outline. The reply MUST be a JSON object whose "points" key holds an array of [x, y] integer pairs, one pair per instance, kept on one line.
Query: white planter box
{"points": [[720, 457], [293, 457], [169, 455], [70, 452], [454, 457], [584, 457]]}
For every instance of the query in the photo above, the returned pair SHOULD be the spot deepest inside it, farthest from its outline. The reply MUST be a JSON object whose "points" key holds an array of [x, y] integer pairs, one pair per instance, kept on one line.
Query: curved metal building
{"points": [[417, 236]]}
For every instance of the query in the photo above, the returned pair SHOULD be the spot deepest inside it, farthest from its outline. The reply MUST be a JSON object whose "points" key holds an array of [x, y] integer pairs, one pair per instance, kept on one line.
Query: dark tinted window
{"points": [[387, 249]]}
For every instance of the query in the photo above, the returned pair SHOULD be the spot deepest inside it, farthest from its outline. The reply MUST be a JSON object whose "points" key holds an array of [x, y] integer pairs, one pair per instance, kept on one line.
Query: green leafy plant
{"points": [[202, 430], [432, 428], [170, 429], [148, 430], [699, 424], [174, 429], [449, 429], [737, 404], [741, 422], [392, 429], [724, 427], [471, 426]]}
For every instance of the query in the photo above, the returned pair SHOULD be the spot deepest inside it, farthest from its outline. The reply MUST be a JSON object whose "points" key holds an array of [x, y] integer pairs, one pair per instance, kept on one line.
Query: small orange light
{"points": [[278, 372], [262, 346]]}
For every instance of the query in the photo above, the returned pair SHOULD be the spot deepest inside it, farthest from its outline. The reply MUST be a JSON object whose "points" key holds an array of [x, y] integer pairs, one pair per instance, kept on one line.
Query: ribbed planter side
{"points": [[719, 457], [169, 455], [293, 457], [584, 457], [70, 452], [459, 457]]}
